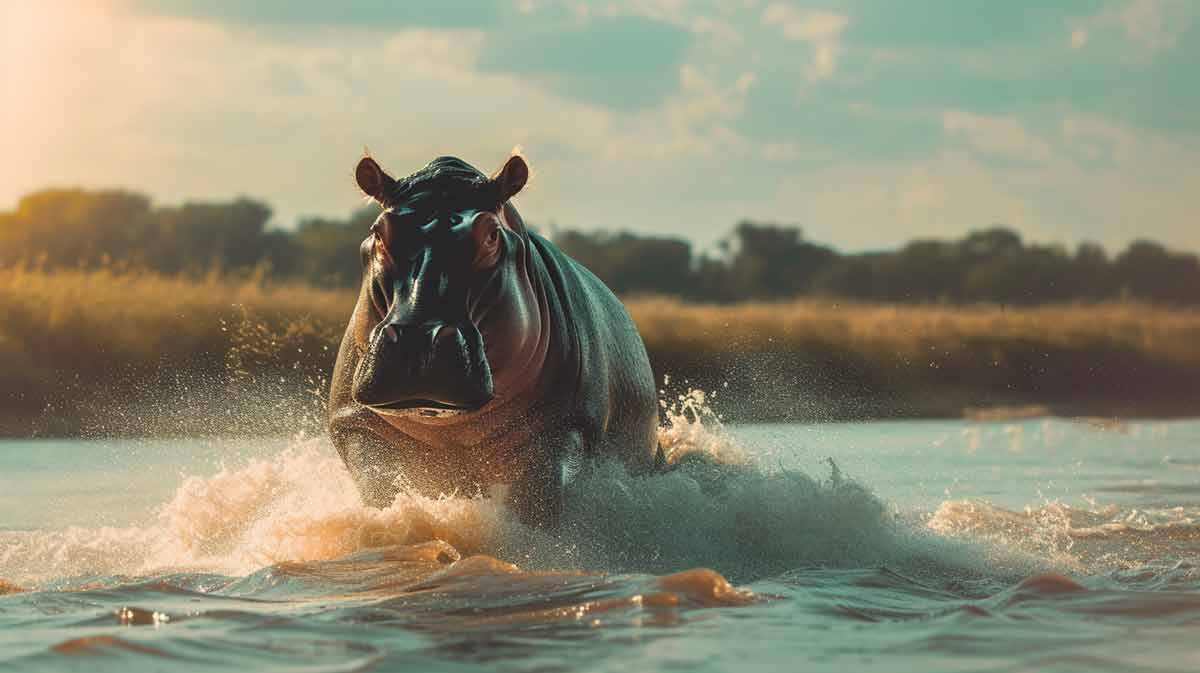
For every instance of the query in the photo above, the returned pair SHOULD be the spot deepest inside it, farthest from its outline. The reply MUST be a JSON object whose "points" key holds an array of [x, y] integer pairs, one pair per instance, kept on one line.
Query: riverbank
{"points": [[106, 352]]}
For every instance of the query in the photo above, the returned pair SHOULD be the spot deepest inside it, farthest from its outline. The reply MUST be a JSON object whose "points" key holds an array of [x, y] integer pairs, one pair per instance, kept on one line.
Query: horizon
{"points": [[864, 124], [715, 250]]}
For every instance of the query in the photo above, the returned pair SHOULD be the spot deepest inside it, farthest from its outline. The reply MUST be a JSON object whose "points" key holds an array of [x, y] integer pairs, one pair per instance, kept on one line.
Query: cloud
{"points": [[284, 119], [1143, 187], [997, 136], [1098, 138], [874, 205], [623, 58], [697, 121], [1079, 38], [623, 62], [322, 15], [821, 29], [1151, 24], [781, 151], [1145, 22], [682, 137], [273, 118]]}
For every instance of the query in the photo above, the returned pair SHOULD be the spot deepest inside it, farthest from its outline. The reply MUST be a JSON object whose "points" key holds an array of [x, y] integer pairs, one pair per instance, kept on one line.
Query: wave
{"points": [[714, 508], [1127, 544]]}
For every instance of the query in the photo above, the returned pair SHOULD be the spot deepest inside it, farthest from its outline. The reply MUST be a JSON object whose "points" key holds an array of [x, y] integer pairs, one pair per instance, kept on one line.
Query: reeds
{"points": [[892, 332], [73, 332]]}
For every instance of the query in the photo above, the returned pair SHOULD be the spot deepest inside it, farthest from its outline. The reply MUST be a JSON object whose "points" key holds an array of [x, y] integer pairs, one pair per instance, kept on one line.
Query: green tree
{"points": [[1146, 270], [327, 249], [631, 264], [74, 227], [773, 261], [201, 236]]}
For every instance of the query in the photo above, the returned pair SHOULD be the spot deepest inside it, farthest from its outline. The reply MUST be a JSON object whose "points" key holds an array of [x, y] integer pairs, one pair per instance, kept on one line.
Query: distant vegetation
{"points": [[121, 317], [109, 352], [116, 229]]}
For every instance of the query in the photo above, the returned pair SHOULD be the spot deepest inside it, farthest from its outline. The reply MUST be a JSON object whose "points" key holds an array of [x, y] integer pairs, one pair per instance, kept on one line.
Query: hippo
{"points": [[479, 357]]}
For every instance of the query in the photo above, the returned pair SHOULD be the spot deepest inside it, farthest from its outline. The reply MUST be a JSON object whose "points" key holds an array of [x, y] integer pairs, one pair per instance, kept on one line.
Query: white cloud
{"points": [[872, 205], [998, 136], [744, 82], [780, 151], [1144, 21], [280, 118], [1097, 138], [1145, 188], [284, 120], [820, 29], [721, 33], [696, 121], [1151, 24], [1079, 38]]}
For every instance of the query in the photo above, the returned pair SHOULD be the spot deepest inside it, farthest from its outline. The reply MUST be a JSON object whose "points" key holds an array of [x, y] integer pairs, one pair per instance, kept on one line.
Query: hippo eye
{"points": [[494, 237]]}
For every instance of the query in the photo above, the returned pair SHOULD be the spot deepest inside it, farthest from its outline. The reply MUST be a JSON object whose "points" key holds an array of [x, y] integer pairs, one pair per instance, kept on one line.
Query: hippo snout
{"points": [[440, 366]]}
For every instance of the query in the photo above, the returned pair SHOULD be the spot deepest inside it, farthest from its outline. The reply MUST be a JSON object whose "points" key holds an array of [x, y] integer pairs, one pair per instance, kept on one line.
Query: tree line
{"points": [[756, 261]]}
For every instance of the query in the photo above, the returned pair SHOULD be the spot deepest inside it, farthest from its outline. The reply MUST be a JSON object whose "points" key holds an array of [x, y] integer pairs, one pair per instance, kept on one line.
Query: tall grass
{"points": [[80, 340], [74, 345], [927, 333], [825, 358]]}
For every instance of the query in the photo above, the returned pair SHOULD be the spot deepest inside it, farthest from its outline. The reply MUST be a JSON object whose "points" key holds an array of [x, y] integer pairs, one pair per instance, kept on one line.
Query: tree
{"points": [[1147, 270], [631, 264], [202, 236], [327, 249], [773, 261], [74, 227]]}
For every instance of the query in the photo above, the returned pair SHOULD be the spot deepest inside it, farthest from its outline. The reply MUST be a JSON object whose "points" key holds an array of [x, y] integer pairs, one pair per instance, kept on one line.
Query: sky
{"points": [[867, 123]]}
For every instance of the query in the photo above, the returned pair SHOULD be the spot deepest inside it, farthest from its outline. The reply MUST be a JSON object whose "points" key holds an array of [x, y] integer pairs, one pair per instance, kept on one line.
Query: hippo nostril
{"points": [[391, 333]]}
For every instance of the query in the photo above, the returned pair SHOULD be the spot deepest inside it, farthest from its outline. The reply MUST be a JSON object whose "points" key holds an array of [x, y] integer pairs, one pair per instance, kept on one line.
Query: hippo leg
{"points": [[372, 463], [537, 497]]}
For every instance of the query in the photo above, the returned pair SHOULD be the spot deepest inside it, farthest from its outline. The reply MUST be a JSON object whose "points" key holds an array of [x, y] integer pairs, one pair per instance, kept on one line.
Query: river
{"points": [[1041, 544]]}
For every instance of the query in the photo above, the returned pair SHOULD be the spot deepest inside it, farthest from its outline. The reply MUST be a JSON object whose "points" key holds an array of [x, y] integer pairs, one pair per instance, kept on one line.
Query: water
{"points": [[901, 546]]}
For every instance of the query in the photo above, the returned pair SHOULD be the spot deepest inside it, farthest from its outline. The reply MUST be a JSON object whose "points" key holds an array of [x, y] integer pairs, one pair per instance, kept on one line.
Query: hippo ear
{"points": [[512, 178], [372, 180]]}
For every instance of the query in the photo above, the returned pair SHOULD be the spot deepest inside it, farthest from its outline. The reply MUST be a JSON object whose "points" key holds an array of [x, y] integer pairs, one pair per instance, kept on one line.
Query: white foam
{"points": [[716, 508], [1095, 539]]}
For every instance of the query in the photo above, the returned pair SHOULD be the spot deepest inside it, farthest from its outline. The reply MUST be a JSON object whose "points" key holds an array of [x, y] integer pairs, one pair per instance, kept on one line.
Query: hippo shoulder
{"points": [[602, 332], [578, 291]]}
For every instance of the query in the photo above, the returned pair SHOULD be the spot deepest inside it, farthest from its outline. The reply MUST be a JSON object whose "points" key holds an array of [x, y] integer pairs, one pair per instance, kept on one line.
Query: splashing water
{"points": [[272, 560], [713, 508]]}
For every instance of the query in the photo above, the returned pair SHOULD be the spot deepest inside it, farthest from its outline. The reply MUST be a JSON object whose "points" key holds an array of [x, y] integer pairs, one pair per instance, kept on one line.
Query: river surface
{"points": [[1044, 544]]}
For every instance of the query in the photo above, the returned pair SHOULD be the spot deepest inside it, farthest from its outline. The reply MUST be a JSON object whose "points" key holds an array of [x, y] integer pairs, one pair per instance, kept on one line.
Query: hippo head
{"points": [[431, 265]]}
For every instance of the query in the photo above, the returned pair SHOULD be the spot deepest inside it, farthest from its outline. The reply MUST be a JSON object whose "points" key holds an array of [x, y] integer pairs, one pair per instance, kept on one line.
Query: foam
{"points": [[1095, 539], [715, 508]]}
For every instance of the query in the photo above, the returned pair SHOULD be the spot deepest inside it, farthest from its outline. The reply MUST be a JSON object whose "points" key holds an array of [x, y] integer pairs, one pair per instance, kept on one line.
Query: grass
{"points": [[829, 359], [84, 342]]}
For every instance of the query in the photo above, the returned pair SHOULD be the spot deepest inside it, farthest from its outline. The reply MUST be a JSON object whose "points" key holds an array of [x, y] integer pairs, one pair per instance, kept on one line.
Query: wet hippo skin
{"points": [[479, 354]]}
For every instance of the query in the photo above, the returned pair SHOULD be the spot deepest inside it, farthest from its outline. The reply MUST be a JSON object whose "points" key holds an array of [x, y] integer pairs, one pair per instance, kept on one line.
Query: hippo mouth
{"points": [[425, 375], [419, 404]]}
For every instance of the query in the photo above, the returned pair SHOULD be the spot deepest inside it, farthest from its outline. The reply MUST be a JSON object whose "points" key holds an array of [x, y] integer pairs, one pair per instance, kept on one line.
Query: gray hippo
{"points": [[479, 354]]}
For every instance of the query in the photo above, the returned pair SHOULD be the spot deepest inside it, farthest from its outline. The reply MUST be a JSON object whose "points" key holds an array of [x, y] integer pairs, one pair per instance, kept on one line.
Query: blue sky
{"points": [[867, 123]]}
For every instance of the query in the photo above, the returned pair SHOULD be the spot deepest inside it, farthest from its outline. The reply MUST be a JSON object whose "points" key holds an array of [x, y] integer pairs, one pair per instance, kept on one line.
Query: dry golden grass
{"points": [[93, 329], [85, 342], [912, 332], [136, 317]]}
